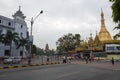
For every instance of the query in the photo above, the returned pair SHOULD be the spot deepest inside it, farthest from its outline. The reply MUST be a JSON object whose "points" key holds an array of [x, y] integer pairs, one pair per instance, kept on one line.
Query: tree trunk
{"points": [[11, 49]]}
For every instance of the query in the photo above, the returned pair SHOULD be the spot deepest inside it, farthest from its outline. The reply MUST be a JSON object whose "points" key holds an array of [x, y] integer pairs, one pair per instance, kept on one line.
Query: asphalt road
{"points": [[72, 71]]}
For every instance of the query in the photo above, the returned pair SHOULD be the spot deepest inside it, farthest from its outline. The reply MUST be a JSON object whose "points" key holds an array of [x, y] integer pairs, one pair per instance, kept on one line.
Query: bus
{"points": [[112, 48]]}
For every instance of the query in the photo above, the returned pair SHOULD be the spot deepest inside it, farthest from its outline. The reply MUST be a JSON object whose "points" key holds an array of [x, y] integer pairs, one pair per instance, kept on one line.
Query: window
{"points": [[0, 21], [118, 47], [9, 23], [7, 53], [21, 26], [110, 48], [21, 34], [21, 53]]}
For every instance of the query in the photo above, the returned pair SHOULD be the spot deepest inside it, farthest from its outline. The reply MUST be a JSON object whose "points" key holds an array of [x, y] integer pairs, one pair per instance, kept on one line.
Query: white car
{"points": [[12, 60], [16, 60], [8, 60]]}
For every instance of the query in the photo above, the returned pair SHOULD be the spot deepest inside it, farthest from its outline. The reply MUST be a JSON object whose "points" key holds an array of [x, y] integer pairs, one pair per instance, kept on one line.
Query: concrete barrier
{"points": [[21, 66]]}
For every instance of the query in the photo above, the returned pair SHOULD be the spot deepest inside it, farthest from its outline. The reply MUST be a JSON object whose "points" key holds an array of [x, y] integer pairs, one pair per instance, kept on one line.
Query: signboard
{"points": [[31, 39]]}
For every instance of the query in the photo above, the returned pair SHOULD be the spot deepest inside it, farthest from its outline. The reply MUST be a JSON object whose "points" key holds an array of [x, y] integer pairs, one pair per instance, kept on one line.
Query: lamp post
{"points": [[91, 47], [31, 36]]}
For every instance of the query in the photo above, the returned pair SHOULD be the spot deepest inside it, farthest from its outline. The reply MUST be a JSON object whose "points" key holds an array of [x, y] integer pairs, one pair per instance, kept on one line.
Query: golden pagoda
{"points": [[104, 35], [98, 43]]}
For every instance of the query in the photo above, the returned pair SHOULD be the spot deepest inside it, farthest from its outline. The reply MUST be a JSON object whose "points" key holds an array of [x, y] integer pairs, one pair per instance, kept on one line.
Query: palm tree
{"points": [[1, 37], [23, 42], [9, 38]]}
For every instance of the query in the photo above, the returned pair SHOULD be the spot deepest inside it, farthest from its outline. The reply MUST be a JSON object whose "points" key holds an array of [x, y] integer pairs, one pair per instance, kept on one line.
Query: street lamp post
{"points": [[31, 36], [91, 47]]}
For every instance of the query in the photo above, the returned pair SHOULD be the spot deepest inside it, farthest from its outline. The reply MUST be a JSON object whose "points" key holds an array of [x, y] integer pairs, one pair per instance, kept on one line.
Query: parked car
{"points": [[17, 60], [8, 60], [12, 60]]}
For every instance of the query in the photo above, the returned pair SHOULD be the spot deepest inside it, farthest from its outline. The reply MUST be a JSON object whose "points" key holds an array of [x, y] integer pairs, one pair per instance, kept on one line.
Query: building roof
{"points": [[19, 13]]}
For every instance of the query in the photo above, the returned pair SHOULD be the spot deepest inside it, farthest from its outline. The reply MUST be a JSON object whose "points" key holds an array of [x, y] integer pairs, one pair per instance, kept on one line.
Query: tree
{"points": [[34, 50], [40, 51], [116, 15], [1, 37], [47, 50], [9, 38], [23, 42], [68, 42], [77, 40]]}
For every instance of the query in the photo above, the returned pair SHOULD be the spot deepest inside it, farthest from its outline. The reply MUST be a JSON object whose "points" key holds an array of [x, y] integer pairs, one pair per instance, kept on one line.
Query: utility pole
{"points": [[31, 36], [91, 46]]}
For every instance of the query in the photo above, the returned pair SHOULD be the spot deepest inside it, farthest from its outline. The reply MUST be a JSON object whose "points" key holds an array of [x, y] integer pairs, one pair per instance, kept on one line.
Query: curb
{"points": [[21, 66]]}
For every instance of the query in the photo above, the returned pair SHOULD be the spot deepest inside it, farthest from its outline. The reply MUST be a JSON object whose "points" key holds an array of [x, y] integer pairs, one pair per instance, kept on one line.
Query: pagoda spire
{"points": [[96, 38], [19, 8], [104, 34], [103, 27]]}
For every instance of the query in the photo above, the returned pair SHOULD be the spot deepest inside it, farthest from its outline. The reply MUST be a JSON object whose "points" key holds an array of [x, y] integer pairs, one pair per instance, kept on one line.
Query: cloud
{"points": [[61, 17]]}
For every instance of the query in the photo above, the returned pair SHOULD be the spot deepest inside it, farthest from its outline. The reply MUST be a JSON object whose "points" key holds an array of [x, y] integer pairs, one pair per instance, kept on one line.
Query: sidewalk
{"points": [[101, 64]]}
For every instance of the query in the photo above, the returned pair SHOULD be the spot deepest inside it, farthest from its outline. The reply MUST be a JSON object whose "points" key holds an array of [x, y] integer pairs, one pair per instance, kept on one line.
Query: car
{"points": [[16, 60], [12, 60], [8, 60]]}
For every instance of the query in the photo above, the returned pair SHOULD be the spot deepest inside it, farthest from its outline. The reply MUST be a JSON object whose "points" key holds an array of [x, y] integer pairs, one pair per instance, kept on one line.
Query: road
{"points": [[70, 71]]}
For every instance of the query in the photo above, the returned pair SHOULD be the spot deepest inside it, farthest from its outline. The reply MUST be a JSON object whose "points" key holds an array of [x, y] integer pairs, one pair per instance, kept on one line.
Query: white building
{"points": [[18, 25], [112, 48]]}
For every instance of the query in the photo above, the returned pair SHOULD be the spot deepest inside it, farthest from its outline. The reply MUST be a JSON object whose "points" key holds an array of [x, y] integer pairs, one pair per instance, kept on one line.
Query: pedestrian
{"points": [[86, 59], [112, 61], [64, 61], [92, 57]]}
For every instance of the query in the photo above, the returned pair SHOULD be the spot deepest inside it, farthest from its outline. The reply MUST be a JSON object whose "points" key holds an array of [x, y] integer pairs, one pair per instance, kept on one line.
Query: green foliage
{"points": [[117, 36], [9, 38], [34, 49], [23, 42], [40, 51], [116, 14], [1, 37], [116, 10], [68, 42], [44, 52]]}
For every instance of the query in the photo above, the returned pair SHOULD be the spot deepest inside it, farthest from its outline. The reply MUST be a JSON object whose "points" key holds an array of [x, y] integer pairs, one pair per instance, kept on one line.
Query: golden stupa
{"points": [[97, 44], [104, 35]]}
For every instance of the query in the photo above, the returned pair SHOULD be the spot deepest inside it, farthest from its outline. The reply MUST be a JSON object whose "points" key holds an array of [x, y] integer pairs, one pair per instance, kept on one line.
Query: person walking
{"points": [[86, 59], [112, 61]]}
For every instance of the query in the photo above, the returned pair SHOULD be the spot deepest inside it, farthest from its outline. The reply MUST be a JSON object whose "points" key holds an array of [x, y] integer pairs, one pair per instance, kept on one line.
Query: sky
{"points": [[61, 17]]}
